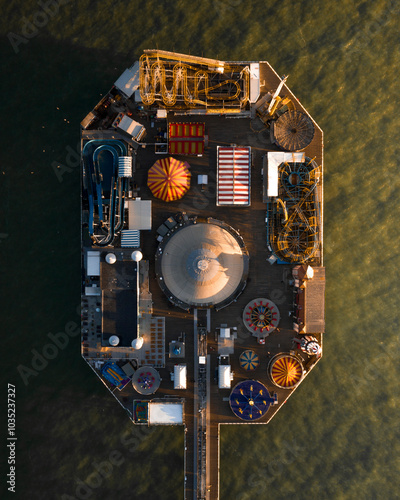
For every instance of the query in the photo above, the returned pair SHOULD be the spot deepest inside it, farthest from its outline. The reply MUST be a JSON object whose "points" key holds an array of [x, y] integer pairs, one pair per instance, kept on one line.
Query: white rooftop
{"points": [[254, 81], [224, 376], [165, 413], [225, 333], [180, 373], [93, 263], [128, 82], [131, 127], [139, 214], [275, 158]]}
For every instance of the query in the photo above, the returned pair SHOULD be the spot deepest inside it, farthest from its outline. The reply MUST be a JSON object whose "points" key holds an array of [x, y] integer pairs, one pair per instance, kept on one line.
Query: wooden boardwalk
{"points": [[264, 280]]}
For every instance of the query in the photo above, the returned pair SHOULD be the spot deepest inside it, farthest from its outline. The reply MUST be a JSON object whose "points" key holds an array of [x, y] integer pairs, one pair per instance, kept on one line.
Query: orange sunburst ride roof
{"points": [[169, 179], [286, 372]]}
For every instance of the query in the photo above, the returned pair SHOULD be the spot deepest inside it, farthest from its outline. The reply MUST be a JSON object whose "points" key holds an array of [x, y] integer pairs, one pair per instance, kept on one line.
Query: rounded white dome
{"points": [[137, 255], [111, 258], [113, 340], [202, 264], [137, 343]]}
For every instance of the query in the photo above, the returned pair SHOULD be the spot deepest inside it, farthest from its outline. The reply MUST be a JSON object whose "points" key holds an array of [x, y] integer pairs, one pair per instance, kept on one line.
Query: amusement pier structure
{"points": [[202, 248]]}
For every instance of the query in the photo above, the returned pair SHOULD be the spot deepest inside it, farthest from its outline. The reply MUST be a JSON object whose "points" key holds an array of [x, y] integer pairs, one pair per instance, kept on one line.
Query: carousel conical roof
{"points": [[286, 371], [169, 179], [248, 360]]}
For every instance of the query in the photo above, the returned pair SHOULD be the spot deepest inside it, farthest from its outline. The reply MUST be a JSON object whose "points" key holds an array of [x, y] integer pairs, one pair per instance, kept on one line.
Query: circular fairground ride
{"points": [[250, 400], [309, 345], [261, 317], [146, 380], [169, 179], [285, 371], [293, 131], [249, 360]]}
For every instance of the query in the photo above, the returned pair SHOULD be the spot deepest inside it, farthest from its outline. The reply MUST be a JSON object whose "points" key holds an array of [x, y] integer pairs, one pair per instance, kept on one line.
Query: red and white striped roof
{"points": [[233, 183]]}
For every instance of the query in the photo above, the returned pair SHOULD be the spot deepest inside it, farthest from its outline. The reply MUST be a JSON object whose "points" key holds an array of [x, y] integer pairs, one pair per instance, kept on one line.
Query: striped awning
{"points": [[186, 138], [233, 178]]}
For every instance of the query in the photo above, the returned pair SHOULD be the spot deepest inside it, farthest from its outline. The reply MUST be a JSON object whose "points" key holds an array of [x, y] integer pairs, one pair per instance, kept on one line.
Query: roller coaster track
{"points": [[161, 81], [295, 236]]}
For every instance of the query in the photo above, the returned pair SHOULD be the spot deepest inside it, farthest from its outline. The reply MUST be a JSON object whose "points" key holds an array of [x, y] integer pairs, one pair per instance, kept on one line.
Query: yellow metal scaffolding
{"points": [[182, 81], [294, 235]]}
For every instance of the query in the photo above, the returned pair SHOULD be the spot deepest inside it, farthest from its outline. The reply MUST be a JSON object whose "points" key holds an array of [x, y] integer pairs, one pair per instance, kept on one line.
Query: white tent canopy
{"points": [[180, 374], [224, 376]]}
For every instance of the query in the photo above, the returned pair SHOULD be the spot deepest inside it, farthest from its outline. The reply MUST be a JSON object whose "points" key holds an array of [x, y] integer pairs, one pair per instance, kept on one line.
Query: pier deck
{"points": [[264, 280]]}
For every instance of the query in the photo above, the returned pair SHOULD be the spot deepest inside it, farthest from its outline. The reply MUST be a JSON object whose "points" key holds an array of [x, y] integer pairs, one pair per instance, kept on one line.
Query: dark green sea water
{"points": [[338, 436]]}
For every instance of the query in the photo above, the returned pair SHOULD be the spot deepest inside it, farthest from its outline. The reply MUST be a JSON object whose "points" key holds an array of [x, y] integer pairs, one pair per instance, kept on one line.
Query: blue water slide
{"points": [[91, 208], [90, 154], [99, 192], [114, 187], [123, 187], [98, 175]]}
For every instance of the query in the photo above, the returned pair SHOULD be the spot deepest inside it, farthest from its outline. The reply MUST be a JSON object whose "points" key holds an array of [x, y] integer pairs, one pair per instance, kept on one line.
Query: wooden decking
{"points": [[264, 280]]}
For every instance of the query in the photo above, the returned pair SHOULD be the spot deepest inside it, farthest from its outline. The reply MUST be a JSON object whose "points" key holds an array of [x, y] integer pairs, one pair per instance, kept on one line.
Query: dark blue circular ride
{"points": [[250, 400]]}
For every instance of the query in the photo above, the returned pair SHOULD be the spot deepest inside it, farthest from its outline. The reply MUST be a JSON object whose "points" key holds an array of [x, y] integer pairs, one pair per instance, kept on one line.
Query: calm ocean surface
{"points": [[338, 436]]}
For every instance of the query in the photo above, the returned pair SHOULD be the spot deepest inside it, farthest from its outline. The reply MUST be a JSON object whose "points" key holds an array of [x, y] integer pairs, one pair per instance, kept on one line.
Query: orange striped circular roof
{"points": [[169, 179], [286, 372]]}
